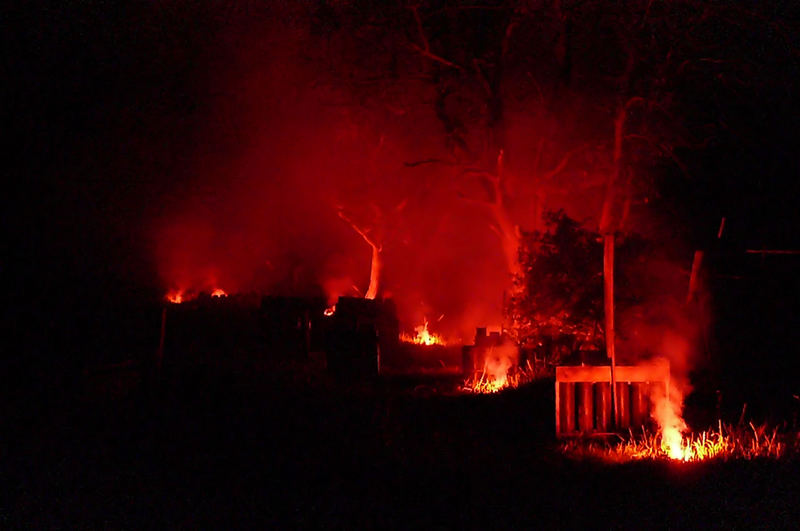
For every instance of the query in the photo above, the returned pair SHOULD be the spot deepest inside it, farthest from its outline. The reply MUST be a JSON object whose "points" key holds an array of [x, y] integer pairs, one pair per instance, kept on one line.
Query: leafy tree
{"points": [[559, 296], [557, 308]]}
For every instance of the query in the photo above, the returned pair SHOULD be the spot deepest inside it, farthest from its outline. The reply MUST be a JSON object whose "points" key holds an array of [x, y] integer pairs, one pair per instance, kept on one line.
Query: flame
{"points": [[179, 296], [175, 296], [667, 412], [672, 444], [726, 442], [494, 378], [423, 337], [329, 311]]}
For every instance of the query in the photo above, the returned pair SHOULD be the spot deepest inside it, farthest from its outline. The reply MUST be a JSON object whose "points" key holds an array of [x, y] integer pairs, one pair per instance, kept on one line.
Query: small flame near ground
{"points": [[175, 296], [725, 442], [502, 370], [329, 311], [179, 296], [423, 336], [484, 382]]}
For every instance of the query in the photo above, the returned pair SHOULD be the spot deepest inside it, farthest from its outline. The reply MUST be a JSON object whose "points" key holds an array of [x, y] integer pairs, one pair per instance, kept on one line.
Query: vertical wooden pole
{"points": [[608, 294]]}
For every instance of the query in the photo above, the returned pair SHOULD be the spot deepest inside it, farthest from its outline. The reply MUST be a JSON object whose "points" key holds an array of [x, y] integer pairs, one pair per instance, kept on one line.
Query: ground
{"points": [[257, 447]]}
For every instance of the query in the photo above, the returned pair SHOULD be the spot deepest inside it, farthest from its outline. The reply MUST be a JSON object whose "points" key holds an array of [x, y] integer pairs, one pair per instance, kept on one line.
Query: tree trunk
{"points": [[374, 273], [607, 230], [375, 262], [608, 293]]}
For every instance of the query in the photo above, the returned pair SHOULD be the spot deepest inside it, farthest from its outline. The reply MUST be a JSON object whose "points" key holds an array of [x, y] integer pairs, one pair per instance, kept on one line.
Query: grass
{"points": [[484, 383], [726, 442]]}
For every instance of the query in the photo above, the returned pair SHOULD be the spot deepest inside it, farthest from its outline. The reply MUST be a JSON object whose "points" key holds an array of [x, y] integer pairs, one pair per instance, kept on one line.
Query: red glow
{"points": [[219, 292], [175, 296]]}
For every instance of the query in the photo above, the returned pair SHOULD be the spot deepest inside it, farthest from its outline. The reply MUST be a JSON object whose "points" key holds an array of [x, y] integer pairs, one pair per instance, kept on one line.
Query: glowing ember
{"points": [[329, 311], [219, 292], [175, 296], [423, 337]]}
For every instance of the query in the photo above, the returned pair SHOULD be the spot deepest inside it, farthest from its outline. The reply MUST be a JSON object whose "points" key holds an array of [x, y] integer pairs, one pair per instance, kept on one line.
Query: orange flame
{"points": [[500, 371], [726, 442], [329, 311], [179, 296], [667, 409], [175, 296], [423, 337]]}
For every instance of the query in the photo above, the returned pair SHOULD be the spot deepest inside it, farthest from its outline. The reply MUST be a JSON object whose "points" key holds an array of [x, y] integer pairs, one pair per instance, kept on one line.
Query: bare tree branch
{"points": [[562, 164], [416, 163], [434, 57]]}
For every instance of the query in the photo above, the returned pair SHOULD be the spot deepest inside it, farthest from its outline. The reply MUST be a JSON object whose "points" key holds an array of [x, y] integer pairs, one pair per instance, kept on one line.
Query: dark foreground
{"points": [[250, 447]]}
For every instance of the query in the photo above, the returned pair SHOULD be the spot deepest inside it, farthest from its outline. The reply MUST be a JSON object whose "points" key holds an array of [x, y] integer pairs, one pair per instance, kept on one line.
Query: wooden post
{"points": [[608, 294]]}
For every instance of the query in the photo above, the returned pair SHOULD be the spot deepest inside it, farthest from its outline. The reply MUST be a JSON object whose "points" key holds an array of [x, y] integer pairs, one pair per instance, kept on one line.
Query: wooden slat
{"points": [[656, 371]]}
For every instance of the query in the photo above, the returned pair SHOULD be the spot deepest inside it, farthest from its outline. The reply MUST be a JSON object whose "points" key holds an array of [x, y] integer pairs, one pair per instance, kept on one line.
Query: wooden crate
{"points": [[583, 396]]}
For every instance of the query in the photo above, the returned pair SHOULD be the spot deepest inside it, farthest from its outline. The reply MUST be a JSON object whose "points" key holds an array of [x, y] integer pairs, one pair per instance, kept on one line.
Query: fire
{"points": [[726, 442], [486, 384], [673, 445], [667, 412], [494, 378], [693, 448], [424, 336], [329, 311], [175, 296], [179, 296]]}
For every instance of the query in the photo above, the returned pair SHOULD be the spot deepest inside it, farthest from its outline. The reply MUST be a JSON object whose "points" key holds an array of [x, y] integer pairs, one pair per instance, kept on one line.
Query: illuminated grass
{"points": [[725, 443]]}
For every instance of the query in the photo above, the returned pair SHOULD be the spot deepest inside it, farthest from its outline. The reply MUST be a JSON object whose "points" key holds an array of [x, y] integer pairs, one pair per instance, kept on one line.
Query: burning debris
{"points": [[423, 336]]}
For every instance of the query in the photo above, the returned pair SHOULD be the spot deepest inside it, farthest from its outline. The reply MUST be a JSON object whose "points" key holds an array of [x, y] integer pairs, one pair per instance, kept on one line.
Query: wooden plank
{"points": [[656, 371]]}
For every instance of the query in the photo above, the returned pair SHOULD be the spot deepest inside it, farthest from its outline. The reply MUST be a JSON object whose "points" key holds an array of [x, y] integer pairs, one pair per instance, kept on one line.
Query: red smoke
{"points": [[281, 152]]}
